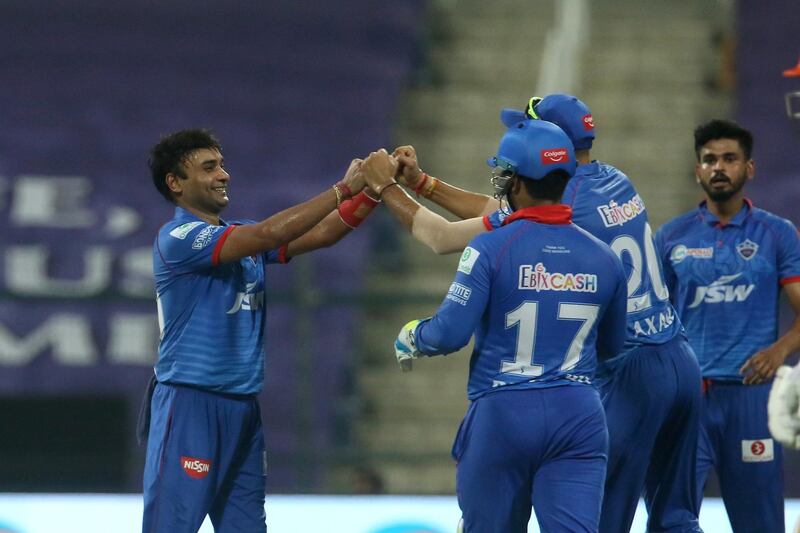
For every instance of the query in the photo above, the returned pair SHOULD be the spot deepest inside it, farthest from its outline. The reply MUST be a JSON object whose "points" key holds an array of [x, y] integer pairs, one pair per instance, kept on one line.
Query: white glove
{"points": [[405, 347], [783, 407]]}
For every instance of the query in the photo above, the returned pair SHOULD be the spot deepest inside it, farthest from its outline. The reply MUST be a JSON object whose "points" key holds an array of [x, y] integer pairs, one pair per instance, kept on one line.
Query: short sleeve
{"points": [[788, 253], [495, 220], [191, 246]]}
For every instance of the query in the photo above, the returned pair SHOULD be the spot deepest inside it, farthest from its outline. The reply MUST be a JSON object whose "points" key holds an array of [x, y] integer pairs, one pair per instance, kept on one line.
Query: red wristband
{"points": [[421, 184], [354, 211]]}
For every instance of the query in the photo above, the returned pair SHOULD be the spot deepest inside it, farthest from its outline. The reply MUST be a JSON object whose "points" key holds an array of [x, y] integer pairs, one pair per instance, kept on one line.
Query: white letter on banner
{"points": [[68, 334], [133, 338], [137, 268], [26, 272], [54, 202]]}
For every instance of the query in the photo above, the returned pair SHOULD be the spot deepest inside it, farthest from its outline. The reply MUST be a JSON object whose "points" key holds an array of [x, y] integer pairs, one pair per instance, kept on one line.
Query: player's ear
{"points": [[516, 186], [750, 168], [174, 182]]}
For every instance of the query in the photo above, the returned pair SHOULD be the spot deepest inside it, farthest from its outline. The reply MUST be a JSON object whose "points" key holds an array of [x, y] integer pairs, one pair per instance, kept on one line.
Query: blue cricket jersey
{"points": [[605, 203], [543, 297], [211, 315], [725, 281]]}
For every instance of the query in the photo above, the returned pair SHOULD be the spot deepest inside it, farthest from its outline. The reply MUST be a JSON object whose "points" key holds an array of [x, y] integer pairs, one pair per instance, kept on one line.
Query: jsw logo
{"points": [[719, 291], [248, 300]]}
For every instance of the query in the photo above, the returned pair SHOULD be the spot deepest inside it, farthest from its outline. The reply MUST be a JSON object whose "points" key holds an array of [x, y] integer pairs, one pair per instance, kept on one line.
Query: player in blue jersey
{"points": [[651, 390], [544, 300], [205, 452], [725, 263]]}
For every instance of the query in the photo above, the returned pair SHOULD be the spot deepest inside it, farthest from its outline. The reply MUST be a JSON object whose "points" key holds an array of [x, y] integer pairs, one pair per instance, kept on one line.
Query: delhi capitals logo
{"points": [[747, 249]]}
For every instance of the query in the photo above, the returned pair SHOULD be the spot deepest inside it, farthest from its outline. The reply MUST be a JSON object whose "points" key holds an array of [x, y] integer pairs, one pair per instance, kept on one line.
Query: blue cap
{"points": [[566, 111], [534, 148]]}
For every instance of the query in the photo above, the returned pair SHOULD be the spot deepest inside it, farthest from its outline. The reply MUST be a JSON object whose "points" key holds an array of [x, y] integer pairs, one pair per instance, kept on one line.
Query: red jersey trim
{"points": [[546, 214], [282, 259], [218, 246], [786, 281], [486, 223]]}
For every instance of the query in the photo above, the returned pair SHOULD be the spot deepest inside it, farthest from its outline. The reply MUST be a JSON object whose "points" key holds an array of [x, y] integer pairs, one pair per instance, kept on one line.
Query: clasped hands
{"points": [[381, 170]]}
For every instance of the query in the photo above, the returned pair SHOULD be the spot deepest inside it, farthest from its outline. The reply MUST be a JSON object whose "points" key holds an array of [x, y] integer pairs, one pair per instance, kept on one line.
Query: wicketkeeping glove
{"points": [[784, 406], [405, 347]]}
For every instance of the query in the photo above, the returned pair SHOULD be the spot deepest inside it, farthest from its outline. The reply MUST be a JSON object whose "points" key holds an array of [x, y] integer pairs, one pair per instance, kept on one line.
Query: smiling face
{"points": [[722, 169], [203, 188]]}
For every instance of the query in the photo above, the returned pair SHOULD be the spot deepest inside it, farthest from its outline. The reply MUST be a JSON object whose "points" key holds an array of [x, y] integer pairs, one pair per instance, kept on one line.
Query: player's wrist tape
{"points": [[342, 191], [426, 186], [355, 210], [380, 193]]}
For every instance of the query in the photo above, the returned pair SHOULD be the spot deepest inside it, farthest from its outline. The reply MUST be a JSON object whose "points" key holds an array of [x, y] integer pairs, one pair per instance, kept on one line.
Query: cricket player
{"points": [[725, 263], [205, 451], [544, 299], [651, 389]]}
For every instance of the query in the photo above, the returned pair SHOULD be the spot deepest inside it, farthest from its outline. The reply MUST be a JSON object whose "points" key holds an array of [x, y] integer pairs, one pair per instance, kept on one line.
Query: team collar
{"points": [[185, 213], [737, 220], [545, 214]]}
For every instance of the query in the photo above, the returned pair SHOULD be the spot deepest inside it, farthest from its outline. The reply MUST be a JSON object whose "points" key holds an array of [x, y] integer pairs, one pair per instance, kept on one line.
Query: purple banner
{"points": [[293, 92]]}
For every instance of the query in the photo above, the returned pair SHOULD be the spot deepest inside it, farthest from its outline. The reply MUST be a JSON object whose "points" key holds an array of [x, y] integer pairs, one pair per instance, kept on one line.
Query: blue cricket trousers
{"points": [[653, 404], [542, 447], [205, 456]]}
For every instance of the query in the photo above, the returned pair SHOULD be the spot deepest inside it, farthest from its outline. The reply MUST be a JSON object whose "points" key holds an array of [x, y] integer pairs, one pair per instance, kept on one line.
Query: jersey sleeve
{"points": [[495, 219], [459, 314], [612, 331], [663, 252], [788, 253], [192, 246]]}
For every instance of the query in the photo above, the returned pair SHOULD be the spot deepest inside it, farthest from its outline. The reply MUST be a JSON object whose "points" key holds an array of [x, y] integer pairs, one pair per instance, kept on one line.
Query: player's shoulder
{"points": [[180, 228], [769, 218], [598, 179], [590, 243], [680, 224]]}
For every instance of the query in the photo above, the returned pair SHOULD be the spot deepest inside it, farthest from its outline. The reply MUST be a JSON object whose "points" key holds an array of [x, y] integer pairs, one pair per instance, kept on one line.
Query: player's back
{"points": [[605, 203], [551, 288]]}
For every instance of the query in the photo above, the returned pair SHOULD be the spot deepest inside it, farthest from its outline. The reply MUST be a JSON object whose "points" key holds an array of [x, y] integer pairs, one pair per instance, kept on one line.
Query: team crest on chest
{"points": [[747, 249]]}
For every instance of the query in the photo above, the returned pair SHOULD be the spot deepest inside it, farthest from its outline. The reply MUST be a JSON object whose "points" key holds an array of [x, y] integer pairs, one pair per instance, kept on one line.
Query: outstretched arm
{"points": [[464, 204], [294, 222], [432, 230]]}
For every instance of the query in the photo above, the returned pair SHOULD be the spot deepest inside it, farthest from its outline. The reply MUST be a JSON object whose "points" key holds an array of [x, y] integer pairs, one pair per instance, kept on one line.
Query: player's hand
{"points": [[784, 406], [405, 347], [354, 178], [379, 170], [762, 366], [408, 171]]}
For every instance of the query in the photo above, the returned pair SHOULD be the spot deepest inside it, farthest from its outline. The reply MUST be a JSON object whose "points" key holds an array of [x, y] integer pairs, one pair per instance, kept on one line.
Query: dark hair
{"points": [[166, 156], [723, 129], [550, 187]]}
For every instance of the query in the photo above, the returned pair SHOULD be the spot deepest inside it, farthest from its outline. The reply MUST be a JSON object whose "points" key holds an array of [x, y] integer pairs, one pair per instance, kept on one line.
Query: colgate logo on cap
{"points": [[195, 468], [588, 122], [551, 156]]}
